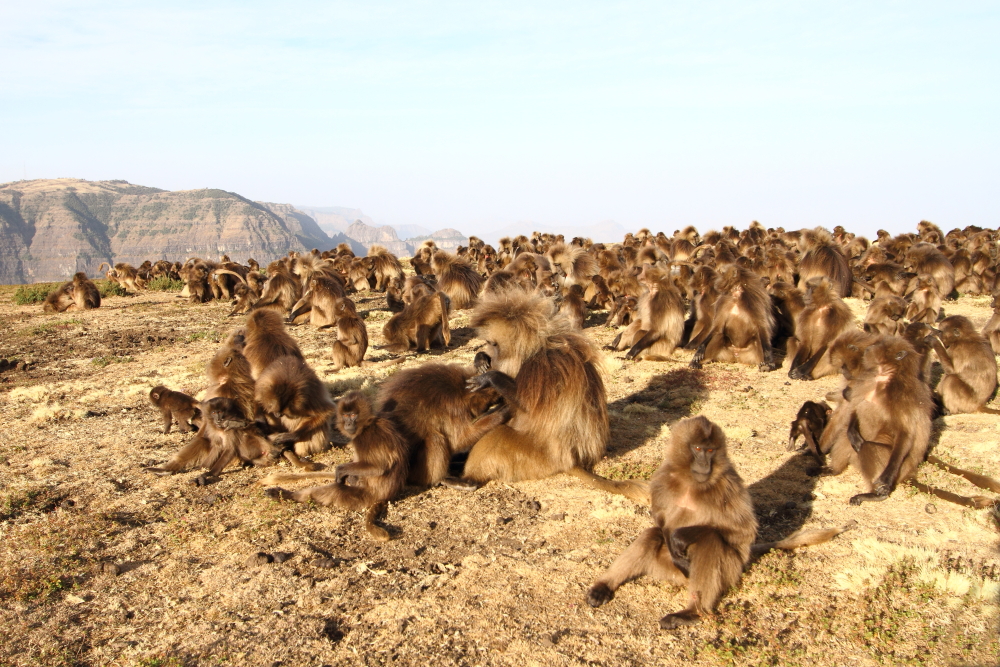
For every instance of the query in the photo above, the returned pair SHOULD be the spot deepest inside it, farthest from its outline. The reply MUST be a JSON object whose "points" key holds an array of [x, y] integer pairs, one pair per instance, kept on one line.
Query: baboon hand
{"points": [[797, 374], [482, 362], [599, 594], [343, 474], [673, 621], [768, 366], [477, 382], [283, 438]]}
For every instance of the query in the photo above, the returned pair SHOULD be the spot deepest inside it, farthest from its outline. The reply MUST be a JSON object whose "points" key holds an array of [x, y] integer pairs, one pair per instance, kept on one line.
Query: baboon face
{"points": [[702, 458]]}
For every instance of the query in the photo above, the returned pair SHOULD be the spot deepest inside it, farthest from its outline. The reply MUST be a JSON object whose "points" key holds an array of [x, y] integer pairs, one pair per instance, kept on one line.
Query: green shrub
{"points": [[110, 288], [36, 293], [165, 284]]}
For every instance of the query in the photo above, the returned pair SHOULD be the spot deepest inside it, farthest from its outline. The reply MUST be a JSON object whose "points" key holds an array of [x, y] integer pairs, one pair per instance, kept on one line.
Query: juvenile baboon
{"points": [[883, 428], [174, 405], [533, 350], [809, 424], [281, 291], [703, 305], [623, 312], [433, 408], [266, 340], [352, 336], [704, 526], [297, 403], [376, 475], [422, 323], [821, 322], [925, 301], [969, 364], [80, 293], [743, 324], [457, 278]]}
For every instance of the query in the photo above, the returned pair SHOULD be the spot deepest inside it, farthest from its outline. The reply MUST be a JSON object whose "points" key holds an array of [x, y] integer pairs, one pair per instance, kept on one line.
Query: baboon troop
{"points": [[533, 404]]}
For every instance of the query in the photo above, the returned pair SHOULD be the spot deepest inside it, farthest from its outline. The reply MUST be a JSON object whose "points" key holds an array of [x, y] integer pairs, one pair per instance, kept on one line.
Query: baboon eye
{"points": [[710, 451], [697, 449]]}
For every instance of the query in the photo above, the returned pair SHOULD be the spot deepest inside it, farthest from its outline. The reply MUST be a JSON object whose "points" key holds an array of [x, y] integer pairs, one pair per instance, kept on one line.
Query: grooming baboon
{"points": [[885, 315], [703, 305], [889, 408], [623, 312], [743, 324], [295, 401], [174, 405], [821, 322], [125, 275], [434, 410], [705, 526], [352, 336], [787, 301], [80, 293], [533, 350], [376, 475], [266, 340], [457, 278], [969, 364], [227, 431], [319, 301], [424, 322]]}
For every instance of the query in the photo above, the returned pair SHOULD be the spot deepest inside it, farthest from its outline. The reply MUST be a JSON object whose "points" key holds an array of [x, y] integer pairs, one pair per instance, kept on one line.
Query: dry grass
{"points": [[492, 577]]}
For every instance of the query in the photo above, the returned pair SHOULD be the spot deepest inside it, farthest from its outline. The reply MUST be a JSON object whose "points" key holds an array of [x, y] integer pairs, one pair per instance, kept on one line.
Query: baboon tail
{"points": [[375, 532], [801, 538], [636, 490], [279, 477], [382, 364], [989, 411]]}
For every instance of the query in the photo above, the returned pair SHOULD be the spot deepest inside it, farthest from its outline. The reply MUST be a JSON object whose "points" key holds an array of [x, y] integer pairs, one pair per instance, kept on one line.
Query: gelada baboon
{"points": [[77, 294], [992, 328], [705, 526], [970, 367], [548, 375], [883, 428], [743, 324], [457, 278], [422, 323], [657, 331], [352, 336], [174, 405], [227, 431], [376, 475], [433, 409], [266, 340], [824, 318], [319, 301], [809, 424], [297, 403]]}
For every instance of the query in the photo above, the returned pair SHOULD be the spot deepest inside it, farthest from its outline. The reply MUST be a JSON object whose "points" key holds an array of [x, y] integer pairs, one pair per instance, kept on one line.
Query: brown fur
{"points": [[173, 405], [433, 409], [281, 291], [295, 401], [658, 330], [352, 336], [969, 364], [992, 328], [743, 324], [80, 293], [267, 340], [823, 259], [319, 301], [386, 266], [885, 315], [422, 323], [457, 278], [376, 475], [824, 318]]}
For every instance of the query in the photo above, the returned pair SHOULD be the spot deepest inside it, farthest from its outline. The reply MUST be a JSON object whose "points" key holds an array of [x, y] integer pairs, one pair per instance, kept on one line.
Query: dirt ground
{"points": [[104, 564]]}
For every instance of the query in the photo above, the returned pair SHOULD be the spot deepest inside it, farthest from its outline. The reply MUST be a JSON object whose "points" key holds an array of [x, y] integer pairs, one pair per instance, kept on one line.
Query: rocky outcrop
{"points": [[385, 235], [50, 229]]}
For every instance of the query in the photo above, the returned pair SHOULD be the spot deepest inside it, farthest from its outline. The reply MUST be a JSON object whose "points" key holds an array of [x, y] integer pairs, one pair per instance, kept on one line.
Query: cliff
{"points": [[50, 229]]}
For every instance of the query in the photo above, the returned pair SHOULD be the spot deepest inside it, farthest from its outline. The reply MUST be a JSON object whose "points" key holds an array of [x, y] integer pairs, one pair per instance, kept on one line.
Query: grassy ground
{"points": [[103, 564]]}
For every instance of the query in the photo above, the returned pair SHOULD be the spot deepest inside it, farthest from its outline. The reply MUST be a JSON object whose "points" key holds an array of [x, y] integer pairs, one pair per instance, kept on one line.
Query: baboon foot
{"points": [[681, 618], [867, 497], [460, 483], [599, 594], [204, 479], [160, 472]]}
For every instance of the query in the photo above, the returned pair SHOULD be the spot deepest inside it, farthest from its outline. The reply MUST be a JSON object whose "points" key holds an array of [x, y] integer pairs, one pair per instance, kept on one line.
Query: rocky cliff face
{"points": [[50, 229], [366, 235]]}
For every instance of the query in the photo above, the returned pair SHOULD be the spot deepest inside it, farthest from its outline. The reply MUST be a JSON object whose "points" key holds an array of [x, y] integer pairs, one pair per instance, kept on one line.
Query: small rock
{"points": [[930, 508], [260, 558], [111, 568], [325, 563], [532, 505], [511, 543], [504, 520], [432, 525], [558, 516], [547, 642], [74, 599], [21, 366], [67, 504], [282, 556]]}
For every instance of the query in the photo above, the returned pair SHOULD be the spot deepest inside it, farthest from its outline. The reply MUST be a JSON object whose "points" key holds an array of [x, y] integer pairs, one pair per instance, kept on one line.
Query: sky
{"points": [[479, 115]]}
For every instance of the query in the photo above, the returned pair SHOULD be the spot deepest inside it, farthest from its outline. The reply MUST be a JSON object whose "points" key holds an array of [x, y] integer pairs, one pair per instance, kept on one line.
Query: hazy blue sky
{"points": [[475, 115]]}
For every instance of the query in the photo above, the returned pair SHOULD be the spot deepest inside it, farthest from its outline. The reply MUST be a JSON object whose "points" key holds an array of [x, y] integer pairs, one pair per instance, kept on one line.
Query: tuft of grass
{"points": [[211, 335], [109, 288], [629, 470], [36, 293], [107, 360], [165, 284], [52, 326]]}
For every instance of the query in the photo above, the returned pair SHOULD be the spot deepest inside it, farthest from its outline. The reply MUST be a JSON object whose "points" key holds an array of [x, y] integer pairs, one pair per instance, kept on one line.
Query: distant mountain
{"points": [[367, 235], [333, 219], [50, 229]]}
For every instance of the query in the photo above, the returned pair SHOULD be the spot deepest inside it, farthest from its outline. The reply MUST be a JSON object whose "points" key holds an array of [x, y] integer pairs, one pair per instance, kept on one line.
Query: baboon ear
{"points": [[900, 355], [229, 360]]}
